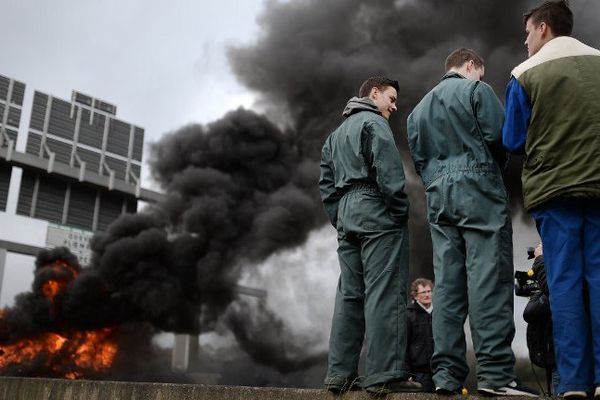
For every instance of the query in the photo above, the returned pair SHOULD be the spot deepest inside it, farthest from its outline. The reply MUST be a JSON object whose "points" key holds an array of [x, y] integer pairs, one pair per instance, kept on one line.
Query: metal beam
{"points": [[249, 291], [40, 165], [30, 250], [20, 248]]}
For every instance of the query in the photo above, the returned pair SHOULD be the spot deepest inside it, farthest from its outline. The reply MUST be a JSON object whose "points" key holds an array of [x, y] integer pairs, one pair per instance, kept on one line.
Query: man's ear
{"points": [[470, 65], [545, 29], [374, 92]]}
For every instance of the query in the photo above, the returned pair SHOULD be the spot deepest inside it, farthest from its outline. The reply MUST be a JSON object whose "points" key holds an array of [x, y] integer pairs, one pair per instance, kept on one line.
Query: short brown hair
{"points": [[556, 14], [379, 82], [414, 287], [459, 57]]}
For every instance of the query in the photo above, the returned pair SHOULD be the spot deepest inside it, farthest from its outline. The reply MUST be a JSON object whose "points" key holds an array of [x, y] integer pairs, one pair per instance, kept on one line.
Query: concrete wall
{"points": [[59, 389]]}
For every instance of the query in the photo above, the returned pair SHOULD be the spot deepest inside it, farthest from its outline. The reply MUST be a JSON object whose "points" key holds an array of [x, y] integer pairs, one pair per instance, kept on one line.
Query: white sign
{"points": [[76, 240]]}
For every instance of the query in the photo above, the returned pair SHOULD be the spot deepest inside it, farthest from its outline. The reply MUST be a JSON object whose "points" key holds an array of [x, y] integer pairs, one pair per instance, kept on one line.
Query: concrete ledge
{"points": [[60, 389]]}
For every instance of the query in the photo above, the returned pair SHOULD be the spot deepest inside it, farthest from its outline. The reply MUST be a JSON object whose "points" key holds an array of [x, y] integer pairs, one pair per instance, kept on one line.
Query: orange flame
{"points": [[95, 351], [72, 354], [51, 288]]}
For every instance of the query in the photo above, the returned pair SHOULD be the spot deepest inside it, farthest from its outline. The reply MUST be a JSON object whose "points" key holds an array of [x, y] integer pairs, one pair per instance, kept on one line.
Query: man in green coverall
{"points": [[362, 188], [455, 139]]}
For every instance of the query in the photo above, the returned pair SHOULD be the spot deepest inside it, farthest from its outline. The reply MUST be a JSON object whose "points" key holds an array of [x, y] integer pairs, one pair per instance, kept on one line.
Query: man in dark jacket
{"points": [[419, 346], [362, 188], [454, 135]]}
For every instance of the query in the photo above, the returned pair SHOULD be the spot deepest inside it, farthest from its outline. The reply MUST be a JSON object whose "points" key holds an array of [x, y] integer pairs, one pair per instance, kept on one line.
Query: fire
{"points": [[61, 351], [96, 352], [71, 355], [66, 273], [50, 289]]}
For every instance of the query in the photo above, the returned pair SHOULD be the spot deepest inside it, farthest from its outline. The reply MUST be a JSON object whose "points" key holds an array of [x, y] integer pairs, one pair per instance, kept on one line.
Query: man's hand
{"points": [[538, 250]]}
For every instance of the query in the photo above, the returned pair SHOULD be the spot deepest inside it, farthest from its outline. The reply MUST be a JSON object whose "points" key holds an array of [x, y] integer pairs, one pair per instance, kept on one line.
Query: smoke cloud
{"points": [[243, 188], [236, 192], [313, 56]]}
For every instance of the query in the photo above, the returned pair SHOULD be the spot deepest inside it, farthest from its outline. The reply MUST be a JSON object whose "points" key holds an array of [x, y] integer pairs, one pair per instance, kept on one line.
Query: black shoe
{"points": [[511, 389], [447, 392], [342, 388], [402, 386]]}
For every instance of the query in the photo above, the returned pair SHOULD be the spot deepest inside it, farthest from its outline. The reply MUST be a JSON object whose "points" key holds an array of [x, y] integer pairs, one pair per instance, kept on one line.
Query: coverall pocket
{"points": [[371, 212]]}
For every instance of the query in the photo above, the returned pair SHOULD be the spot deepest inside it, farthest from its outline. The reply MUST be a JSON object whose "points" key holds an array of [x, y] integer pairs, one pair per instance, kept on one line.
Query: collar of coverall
{"points": [[357, 104], [452, 74]]}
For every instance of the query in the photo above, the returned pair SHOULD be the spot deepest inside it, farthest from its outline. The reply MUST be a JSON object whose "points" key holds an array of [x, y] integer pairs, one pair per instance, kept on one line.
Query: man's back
{"points": [[453, 135], [562, 82]]}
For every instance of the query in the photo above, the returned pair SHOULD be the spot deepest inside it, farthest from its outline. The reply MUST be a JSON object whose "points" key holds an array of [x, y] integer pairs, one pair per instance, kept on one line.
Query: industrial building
{"points": [[80, 170], [11, 104]]}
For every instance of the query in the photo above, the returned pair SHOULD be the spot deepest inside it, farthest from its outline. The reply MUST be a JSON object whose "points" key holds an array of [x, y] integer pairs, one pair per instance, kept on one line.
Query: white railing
{"points": [[111, 175], [138, 185], [11, 143], [81, 164], [51, 157]]}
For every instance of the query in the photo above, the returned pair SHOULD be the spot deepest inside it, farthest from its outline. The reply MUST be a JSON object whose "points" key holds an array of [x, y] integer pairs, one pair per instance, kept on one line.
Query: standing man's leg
{"points": [[489, 263], [449, 363], [348, 324], [591, 253], [560, 224], [385, 260]]}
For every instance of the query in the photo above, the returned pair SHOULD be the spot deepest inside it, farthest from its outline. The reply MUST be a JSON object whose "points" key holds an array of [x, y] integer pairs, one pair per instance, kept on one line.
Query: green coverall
{"points": [[455, 139], [362, 188]]}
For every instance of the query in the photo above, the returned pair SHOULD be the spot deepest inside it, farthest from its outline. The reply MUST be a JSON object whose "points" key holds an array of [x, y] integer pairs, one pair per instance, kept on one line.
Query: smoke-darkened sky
{"points": [[313, 55]]}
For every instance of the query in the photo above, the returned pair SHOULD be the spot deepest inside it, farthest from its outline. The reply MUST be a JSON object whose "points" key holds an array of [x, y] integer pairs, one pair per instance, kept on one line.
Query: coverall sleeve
{"points": [[329, 194], [413, 134], [518, 115], [490, 116], [387, 166]]}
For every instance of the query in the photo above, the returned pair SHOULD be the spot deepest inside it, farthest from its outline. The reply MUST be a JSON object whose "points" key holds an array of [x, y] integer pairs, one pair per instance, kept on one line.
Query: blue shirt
{"points": [[517, 117]]}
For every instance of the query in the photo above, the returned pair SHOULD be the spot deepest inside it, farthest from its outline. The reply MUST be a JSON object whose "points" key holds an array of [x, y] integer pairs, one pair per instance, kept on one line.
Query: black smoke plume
{"points": [[277, 346], [50, 317], [235, 192], [313, 55]]}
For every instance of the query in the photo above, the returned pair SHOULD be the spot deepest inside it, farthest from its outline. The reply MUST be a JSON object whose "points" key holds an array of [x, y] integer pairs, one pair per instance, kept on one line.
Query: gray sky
{"points": [[163, 64]]}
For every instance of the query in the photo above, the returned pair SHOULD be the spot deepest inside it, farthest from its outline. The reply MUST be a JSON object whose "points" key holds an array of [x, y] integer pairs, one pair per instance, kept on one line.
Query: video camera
{"points": [[526, 283]]}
